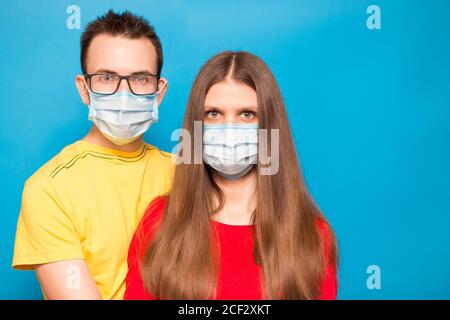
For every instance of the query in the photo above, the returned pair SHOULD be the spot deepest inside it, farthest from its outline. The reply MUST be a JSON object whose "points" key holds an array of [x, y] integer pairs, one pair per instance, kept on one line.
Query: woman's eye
{"points": [[248, 115], [213, 114]]}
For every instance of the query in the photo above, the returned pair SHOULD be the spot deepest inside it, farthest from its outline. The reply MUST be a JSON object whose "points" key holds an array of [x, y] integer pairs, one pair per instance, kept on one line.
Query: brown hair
{"points": [[182, 260], [124, 24]]}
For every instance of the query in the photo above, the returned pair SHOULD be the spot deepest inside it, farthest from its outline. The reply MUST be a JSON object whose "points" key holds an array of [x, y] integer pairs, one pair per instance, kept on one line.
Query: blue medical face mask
{"points": [[231, 149], [123, 117]]}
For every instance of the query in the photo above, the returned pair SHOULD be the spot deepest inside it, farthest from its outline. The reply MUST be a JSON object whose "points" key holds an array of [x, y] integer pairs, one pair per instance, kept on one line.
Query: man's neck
{"points": [[96, 137]]}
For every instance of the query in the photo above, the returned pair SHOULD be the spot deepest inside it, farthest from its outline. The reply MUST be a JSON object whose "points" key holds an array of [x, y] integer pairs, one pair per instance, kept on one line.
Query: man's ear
{"points": [[162, 88], [82, 90]]}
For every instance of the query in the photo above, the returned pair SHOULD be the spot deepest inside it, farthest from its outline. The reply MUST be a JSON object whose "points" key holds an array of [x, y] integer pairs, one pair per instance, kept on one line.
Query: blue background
{"points": [[369, 110]]}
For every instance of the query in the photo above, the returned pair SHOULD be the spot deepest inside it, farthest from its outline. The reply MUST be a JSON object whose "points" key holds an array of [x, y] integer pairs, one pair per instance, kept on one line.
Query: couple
{"points": [[110, 217]]}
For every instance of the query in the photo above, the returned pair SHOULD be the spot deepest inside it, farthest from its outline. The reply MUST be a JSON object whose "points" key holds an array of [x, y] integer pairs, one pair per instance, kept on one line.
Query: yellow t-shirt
{"points": [[85, 203]]}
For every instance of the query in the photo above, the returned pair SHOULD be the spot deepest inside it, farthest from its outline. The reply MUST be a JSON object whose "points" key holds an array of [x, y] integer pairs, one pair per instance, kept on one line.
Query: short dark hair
{"points": [[124, 24]]}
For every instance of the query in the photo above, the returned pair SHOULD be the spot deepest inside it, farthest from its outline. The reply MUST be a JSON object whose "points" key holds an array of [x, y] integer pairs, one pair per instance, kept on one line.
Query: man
{"points": [[80, 210]]}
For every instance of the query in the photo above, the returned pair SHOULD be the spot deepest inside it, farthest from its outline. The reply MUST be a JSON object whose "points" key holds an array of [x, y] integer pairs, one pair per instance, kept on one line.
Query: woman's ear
{"points": [[162, 88], [82, 89]]}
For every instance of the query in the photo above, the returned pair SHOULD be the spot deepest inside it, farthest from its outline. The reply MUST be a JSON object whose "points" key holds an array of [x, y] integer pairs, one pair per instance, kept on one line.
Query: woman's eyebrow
{"points": [[212, 107], [247, 108], [243, 108]]}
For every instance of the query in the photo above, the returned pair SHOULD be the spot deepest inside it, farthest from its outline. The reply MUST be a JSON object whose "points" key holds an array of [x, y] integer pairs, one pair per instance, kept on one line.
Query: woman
{"points": [[228, 231]]}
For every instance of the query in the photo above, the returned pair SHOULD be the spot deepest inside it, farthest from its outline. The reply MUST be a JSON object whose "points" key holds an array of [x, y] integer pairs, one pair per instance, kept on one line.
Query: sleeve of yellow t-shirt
{"points": [[45, 230]]}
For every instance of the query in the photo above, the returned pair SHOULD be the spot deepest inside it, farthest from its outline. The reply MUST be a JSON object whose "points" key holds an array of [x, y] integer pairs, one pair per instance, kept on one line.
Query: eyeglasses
{"points": [[108, 84]]}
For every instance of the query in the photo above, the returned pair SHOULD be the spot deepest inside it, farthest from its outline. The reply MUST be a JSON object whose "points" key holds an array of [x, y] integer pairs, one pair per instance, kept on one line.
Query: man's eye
{"points": [[139, 79], [107, 77]]}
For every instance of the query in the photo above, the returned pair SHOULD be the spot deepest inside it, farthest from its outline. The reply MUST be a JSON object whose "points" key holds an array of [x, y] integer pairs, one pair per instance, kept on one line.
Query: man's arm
{"points": [[69, 279]]}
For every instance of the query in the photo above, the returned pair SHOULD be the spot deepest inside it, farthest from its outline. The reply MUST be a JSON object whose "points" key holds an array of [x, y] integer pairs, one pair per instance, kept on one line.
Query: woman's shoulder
{"points": [[323, 226], [146, 227], [153, 213], [327, 237], [138, 247]]}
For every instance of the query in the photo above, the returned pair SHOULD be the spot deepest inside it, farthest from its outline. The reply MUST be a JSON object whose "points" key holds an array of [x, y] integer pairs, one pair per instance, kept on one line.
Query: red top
{"points": [[239, 274]]}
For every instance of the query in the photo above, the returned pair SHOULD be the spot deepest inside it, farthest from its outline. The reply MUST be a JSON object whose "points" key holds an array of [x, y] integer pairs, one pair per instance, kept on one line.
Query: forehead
{"points": [[231, 94], [121, 55]]}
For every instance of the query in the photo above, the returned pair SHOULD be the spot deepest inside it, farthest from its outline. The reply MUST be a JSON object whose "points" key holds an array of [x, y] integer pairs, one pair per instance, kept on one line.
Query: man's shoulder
{"points": [[159, 155], [159, 152], [46, 172], [50, 172]]}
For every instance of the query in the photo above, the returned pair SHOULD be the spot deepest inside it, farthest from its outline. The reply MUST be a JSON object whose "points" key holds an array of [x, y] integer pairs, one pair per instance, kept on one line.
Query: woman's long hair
{"points": [[182, 261]]}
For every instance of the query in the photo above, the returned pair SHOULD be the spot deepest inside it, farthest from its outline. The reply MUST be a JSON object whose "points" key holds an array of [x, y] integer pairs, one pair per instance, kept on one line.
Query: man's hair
{"points": [[123, 24]]}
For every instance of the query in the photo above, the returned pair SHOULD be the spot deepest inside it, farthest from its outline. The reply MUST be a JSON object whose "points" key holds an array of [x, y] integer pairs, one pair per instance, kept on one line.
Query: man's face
{"points": [[122, 56]]}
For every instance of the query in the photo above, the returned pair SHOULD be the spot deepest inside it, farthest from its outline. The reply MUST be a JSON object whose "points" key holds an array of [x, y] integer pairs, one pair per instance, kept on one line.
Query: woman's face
{"points": [[230, 101]]}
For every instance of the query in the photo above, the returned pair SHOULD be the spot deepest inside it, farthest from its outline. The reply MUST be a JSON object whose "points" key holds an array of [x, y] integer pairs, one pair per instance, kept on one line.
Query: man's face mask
{"points": [[123, 117], [231, 149]]}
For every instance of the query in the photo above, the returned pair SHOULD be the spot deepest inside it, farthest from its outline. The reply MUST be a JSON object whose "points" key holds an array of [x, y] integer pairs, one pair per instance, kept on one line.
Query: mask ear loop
{"points": [[85, 83], [165, 83], [89, 94]]}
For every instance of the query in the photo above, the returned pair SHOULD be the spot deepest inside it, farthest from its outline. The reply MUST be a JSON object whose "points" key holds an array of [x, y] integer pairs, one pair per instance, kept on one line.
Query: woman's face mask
{"points": [[230, 149]]}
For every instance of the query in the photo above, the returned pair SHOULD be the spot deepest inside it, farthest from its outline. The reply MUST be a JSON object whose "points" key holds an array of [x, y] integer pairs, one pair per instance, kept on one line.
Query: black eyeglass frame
{"points": [[89, 76]]}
